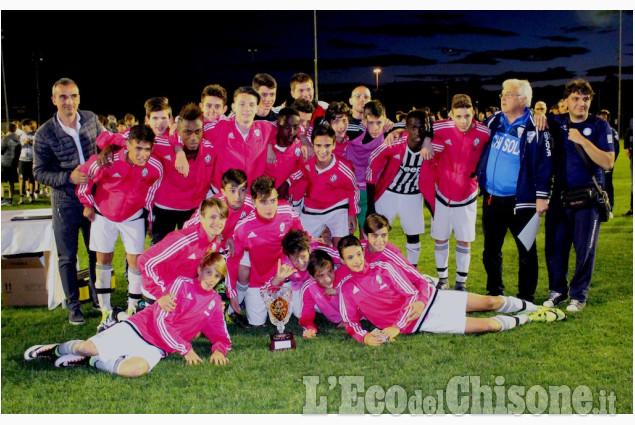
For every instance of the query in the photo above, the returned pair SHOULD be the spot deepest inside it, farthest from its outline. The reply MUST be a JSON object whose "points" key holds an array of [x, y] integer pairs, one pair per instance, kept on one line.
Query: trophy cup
{"points": [[278, 304]]}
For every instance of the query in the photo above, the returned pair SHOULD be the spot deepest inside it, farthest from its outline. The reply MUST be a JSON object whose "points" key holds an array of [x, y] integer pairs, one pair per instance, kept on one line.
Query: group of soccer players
{"points": [[269, 197]]}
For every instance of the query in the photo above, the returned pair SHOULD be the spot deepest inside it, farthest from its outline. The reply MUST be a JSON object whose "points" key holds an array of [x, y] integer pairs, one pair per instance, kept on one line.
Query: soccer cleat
{"points": [[132, 309], [239, 320], [72, 360], [109, 318], [547, 314], [460, 286], [575, 306], [554, 299], [443, 283], [48, 351]]}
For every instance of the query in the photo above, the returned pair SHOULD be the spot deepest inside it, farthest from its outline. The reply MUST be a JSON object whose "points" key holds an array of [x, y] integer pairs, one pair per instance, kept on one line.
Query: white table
{"points": [[25, 236]]}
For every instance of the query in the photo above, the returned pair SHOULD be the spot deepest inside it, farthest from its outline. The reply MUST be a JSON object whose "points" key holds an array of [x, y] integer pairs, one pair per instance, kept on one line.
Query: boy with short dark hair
{"points": [[257, 245], [213, 104], [266, 87], [288, 151], [338, 115], [123, 191], [328, 185]]}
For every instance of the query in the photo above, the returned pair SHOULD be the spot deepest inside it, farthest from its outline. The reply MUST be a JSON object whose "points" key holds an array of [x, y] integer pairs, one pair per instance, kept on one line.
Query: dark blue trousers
{"points": [[565, 227], [67, 223]]}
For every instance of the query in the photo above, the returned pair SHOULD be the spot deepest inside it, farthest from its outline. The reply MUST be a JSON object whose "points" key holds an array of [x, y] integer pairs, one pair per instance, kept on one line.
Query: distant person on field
{"points": [[608, 174], [10, 156]]}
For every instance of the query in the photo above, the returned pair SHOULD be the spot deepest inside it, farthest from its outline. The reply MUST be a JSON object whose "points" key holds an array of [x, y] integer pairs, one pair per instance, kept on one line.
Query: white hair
{"points": [[522, 86]]}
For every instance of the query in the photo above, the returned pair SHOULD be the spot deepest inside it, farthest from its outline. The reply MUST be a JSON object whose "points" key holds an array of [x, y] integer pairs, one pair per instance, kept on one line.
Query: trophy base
{"points": [[281, 342]]}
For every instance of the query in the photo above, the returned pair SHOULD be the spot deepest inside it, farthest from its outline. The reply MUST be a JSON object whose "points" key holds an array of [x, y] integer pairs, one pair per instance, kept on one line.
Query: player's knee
{"points": [[134, 367], [412, 238], [86, 348]]}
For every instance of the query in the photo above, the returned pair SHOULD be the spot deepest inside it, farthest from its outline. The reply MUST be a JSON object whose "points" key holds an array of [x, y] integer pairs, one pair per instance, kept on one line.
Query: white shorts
{"points": [[336, 221], [245, 261], [104, 232], [447, 313], [121, 340], [255, 307], [409, 208], [461, 220]]}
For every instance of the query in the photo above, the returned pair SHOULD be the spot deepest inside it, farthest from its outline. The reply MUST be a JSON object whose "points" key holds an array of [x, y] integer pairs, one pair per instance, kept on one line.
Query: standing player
{"points": [[180, 194], [288, 151], [257, 245], [133, 347], [213, 104], [337, 116], [239, 141], [385, 297], [117, 207], [393, 180], [458, 144], [302, 88], [266, 87], [179, 253], [329, 189], [359, 98]]}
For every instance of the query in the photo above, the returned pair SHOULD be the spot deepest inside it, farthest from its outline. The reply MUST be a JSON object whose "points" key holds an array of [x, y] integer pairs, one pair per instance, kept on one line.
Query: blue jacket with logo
{"points": [[534, 176]]}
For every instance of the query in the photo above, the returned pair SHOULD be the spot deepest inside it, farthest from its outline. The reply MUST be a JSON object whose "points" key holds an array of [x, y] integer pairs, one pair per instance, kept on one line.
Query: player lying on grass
{"points": [[384, 295], [133, 347]]}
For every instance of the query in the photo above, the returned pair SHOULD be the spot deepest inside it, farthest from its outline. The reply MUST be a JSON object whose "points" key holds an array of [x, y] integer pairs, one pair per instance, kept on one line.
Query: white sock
{"points": [[441, 255], [134, 287], [241, 290], [462, 262], [111, 366], [102, 285], [412, 252], [510, 322], [513, 304], [68, 347]]}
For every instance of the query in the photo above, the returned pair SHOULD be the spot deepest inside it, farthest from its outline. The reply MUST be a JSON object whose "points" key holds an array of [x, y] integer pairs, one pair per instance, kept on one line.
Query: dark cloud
{"points": [[539, 54], [439, 16], [428, 29], [451, 51], [559, 38], [557, 73], [586, 29], [608, 70], [343, 63], [338, 43]]}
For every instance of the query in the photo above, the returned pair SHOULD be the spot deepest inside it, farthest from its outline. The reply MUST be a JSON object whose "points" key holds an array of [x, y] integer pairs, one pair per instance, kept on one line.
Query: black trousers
{"points": [[165, 222], [498, 217]]}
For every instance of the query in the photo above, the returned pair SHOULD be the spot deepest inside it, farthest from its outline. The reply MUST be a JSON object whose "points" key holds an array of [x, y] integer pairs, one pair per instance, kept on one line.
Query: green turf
{"points": [[593, 348]]}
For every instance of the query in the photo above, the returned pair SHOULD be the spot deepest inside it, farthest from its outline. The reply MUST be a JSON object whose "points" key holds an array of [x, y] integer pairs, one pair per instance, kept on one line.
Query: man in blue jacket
{"points": [[61, 144], [514, 175], [584, 146]]}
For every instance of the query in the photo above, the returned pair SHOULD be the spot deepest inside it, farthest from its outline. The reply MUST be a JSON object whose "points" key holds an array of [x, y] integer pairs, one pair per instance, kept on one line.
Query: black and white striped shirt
{"points": [[406, 181]]}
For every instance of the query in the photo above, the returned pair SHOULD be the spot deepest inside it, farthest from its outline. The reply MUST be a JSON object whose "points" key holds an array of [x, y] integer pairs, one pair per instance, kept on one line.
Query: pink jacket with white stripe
{"points": [[122, 189], [196, 311]]}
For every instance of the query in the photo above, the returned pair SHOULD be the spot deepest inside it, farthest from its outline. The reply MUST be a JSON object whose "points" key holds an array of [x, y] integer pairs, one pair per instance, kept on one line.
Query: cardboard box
{"points": [[24, 280]]}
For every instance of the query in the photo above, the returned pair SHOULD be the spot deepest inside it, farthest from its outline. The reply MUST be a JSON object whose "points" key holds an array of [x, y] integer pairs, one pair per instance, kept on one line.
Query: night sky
{"points": [[121, 58]]}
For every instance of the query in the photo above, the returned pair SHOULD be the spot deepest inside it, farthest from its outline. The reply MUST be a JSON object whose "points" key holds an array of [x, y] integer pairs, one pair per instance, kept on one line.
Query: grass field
{"points": [[593, 348]]}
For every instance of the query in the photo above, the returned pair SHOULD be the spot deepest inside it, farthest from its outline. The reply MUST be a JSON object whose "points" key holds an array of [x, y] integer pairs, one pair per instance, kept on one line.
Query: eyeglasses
{"points": [[507, 95]]}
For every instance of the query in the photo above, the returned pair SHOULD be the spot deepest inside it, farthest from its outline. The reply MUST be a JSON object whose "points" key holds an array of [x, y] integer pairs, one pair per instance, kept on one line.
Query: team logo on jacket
{"points": [[211, 305], [477, 141], [243, 214], [520, 131], [355, 290], [168, 157], [397, 156], [144, 172], [298, 151], [378, 279], [448, 142], [281, 227], [257, 133], [231, 135], [334, 177], [189, 296], [208, 158], [586, 131], [117, 175], [531, 135]]}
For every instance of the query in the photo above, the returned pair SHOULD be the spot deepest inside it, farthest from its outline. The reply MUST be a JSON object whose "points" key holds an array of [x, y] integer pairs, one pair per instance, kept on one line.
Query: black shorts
{"points": [[9, 174], [26, 170]]}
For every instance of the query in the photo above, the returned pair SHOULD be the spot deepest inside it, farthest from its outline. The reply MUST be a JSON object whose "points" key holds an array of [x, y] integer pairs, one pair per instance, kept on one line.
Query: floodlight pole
{"points": [[315, 59]]}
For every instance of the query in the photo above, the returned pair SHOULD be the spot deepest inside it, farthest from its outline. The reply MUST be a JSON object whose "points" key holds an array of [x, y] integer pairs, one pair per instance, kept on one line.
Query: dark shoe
{"points": [[239, 320], [629, 212], [460, 286], [554, 299], [443, 283], [75, 317]]}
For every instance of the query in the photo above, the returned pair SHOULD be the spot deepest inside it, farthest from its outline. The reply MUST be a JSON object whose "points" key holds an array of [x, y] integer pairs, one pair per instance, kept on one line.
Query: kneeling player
{"points": [[383, 294], [319, 294], [133, 347]]}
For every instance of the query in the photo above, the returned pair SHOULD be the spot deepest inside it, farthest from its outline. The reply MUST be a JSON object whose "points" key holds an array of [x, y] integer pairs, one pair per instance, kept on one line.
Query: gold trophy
{"points": [[278, 304]]}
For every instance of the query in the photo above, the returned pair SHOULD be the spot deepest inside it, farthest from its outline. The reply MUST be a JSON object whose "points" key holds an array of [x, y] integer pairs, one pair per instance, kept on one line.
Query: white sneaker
{"points": [[71, 360], [575, 306]]}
